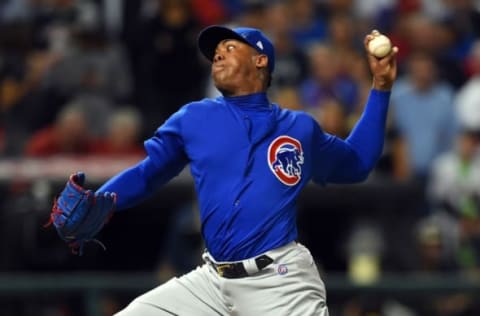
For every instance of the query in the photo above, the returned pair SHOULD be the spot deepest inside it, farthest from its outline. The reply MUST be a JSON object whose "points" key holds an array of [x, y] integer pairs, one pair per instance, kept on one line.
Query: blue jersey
{"points": [[249, 160]]}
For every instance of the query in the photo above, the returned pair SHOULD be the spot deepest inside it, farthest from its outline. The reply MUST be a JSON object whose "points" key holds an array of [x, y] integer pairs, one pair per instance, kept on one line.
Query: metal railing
{"points": [[91, 286]]}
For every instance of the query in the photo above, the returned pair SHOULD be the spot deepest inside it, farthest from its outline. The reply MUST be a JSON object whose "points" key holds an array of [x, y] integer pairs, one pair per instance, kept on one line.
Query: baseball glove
{"points": [[79, 214]]}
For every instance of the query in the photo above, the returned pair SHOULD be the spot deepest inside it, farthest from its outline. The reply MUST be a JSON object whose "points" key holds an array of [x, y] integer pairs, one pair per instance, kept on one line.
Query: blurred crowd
{"points": [[97, 77]]}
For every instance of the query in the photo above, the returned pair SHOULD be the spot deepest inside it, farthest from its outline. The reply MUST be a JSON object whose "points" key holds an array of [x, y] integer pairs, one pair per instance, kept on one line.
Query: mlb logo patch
{"points": [[285, 158], [282, 269]]}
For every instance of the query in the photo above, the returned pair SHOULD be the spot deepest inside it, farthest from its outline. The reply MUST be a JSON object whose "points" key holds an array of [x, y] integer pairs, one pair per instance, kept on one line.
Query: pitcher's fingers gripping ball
{"points": [[383, 69], [79, 214]]}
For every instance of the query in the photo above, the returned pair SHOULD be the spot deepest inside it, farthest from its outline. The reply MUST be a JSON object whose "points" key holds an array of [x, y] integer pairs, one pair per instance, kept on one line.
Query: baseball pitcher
{"points": [[249, 159]]}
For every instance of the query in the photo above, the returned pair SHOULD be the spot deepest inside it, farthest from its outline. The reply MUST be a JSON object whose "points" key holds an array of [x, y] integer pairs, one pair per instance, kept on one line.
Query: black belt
{"points": [[237, 270]]}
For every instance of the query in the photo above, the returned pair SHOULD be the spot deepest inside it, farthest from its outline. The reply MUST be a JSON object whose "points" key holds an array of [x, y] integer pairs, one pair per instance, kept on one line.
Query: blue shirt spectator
{"points": [[423, 113]]}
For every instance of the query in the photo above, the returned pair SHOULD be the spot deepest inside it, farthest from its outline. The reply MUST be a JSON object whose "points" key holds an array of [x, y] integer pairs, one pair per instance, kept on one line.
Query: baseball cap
{"points": [[212, 35]]}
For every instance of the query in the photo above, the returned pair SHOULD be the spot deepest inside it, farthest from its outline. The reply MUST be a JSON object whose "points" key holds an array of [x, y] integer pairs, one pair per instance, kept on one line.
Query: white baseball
{"points": [[380, 46]]}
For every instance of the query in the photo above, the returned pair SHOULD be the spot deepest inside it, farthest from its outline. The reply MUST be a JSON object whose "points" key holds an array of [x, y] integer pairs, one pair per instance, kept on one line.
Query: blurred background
{"points": [[84, 82]]}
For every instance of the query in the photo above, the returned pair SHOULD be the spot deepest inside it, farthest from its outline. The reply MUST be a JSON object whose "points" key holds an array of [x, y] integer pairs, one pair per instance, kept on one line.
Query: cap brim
{"points": [[211, 36]]}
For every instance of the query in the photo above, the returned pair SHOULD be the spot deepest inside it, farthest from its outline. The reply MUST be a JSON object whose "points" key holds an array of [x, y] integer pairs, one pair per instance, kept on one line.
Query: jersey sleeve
{"points": [[165, 159], [351, 160], [166, 147]]}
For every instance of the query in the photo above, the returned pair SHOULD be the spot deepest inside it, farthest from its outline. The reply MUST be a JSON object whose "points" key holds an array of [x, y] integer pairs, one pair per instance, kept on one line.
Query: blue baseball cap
{"points": [[212, 35]]}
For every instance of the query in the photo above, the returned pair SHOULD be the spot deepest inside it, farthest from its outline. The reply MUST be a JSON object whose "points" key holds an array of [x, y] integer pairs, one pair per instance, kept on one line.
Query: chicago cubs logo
{"points": [[285, 157]]}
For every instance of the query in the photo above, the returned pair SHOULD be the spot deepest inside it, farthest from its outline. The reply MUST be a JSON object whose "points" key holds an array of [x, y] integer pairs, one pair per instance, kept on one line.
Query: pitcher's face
{"points": [[233, 66]]}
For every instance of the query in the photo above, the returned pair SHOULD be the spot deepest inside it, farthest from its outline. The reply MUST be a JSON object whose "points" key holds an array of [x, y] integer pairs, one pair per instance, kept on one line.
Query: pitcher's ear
{"points": [[261, 61]]}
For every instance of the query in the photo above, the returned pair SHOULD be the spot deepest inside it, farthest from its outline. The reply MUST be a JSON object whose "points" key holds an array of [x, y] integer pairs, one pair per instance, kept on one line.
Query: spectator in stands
{"points": [[123, 134], [209, 12], [67, 136], [308, 27], [98, 110], [252, 14], [454, 191], [434, 238], [90, 69], [422, 113], [468, 96], [332, 117], [93, 64], [374, 12], [290, 60], [326, 81], [451, 234], [343, 40], [463, 19], [22, 69], [167, 68], [288, 97], [418, 32]]}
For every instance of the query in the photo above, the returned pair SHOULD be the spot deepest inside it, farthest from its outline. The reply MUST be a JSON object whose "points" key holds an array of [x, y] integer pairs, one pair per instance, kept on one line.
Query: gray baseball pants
{"points": [[290, 286]]}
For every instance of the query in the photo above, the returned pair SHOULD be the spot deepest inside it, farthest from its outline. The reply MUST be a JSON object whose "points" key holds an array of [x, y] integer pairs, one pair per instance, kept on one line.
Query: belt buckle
{"points": [[221, 268]]}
